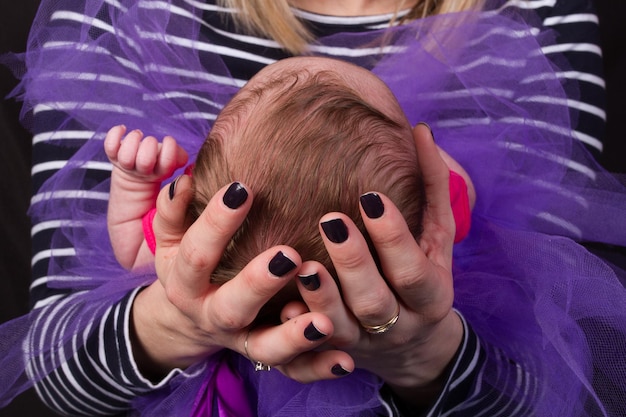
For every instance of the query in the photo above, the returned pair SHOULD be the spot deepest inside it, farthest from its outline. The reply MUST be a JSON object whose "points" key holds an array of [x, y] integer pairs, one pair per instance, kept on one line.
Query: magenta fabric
{"points": [[540, 303], [225, 389], [459, 200], [148, 231]]}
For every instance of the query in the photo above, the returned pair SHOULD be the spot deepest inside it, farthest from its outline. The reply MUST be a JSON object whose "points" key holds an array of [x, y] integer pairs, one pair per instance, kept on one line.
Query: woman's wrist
{"points": [[158, 340], [428, 372]]}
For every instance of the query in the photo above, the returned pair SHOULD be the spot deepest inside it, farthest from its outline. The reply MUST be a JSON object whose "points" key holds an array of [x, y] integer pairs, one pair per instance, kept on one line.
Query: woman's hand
{"points": [[412, 354], [182, 318]]}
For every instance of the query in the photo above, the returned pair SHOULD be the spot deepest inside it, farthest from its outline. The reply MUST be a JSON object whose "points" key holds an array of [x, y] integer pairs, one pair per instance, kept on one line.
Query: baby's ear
{"points": [[189, 169]]}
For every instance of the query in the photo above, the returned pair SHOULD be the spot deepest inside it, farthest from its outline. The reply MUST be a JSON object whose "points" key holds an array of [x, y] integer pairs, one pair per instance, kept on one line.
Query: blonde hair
{"points": [[305, 144], [275, 19]]}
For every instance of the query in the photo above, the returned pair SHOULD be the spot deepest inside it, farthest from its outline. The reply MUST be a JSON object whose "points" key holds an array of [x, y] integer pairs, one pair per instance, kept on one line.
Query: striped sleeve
{"points": [[101, 377], [510, 392], [461, 374]]}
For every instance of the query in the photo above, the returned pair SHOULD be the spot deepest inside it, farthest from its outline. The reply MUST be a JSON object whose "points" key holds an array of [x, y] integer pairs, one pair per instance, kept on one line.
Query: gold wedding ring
{"points": [[385, 327]]}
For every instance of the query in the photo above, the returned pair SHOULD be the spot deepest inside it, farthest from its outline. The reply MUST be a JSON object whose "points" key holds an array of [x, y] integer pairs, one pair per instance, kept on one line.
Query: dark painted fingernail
{"points": [[280, 265], [429, 128], [335, 230], [338, 370], [372, 205], [235, 196], [312, 334], [310, 282], [172, 189]]}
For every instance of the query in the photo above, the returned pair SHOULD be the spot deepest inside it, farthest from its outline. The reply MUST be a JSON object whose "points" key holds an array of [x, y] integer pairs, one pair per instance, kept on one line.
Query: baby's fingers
{"points": [[171, 157], [128, 150], [113, 141], [147, 155]]}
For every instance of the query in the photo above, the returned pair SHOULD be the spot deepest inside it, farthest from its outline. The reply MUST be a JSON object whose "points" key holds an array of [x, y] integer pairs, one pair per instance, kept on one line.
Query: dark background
{"points": [[15, 159]]}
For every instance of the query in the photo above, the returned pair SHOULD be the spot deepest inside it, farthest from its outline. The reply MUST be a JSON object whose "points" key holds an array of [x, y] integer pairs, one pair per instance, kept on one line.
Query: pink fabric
{"points": [[459, 200], [148, 231]]}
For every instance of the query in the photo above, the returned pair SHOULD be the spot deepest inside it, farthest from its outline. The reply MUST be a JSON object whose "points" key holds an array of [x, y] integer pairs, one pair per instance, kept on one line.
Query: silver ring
{"points": [[385, 327], [258, 365]]}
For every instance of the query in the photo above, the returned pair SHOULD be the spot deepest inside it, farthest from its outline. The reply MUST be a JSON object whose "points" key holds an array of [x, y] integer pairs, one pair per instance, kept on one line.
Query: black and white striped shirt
{"points": [[102, 378]]}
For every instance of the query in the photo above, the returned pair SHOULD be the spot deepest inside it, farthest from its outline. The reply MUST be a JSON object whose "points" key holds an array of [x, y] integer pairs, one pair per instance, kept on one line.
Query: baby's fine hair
{"points": [[305, 144]]}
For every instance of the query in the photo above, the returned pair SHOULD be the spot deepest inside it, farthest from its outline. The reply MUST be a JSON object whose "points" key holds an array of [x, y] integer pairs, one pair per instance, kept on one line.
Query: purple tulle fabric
{"points": [[525, 284]]}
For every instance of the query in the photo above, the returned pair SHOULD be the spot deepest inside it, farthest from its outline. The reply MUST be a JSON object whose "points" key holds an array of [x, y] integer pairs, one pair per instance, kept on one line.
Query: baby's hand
{"points": [[143, 159]]}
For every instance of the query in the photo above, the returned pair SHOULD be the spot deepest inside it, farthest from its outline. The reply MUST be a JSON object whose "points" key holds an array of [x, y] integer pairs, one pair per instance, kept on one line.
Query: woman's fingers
{"points": [[278, 345], [221, 316], [364, 291], [320, 293], [418, 282], [416, 278], [439, 229], [315, 366], [187, 255], [289, 347], [236, 303], [171, 220]]}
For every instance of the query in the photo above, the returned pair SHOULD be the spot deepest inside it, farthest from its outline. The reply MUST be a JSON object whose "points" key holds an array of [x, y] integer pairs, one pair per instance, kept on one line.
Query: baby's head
{"points": [[308, 136]]}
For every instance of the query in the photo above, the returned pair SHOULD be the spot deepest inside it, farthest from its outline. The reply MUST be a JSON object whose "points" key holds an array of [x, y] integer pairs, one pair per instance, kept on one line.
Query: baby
{"points": [[308, 136]]}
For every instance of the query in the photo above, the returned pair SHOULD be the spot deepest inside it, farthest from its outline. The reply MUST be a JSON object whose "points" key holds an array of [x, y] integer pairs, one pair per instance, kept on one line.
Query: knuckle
{"points": [[228, 320], [125, 161], [389, 240], [219, 227], [144, 162], [195, 259], [407, 279], [370, 309], [257, 288], [350, 260]]}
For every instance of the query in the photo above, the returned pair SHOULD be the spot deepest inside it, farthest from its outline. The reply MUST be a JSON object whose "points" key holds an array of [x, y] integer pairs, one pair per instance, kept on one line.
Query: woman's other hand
{"points": [[411, 353]]}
